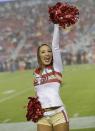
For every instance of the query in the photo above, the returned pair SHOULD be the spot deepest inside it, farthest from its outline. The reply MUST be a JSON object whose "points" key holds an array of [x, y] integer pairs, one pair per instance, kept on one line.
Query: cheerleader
{"points": [[47, 82], [48, 109]]}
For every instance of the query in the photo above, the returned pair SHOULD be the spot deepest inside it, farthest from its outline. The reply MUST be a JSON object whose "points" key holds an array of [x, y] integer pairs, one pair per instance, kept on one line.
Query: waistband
{"points": [[51, 108], [52, 112]]}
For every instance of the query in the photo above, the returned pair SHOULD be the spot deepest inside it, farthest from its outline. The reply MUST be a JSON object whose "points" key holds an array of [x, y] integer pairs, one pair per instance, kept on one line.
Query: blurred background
{"points": [[24, 25]]}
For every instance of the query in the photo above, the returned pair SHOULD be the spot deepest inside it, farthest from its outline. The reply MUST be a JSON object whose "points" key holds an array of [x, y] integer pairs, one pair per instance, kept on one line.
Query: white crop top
{"points": [[47, 84]]}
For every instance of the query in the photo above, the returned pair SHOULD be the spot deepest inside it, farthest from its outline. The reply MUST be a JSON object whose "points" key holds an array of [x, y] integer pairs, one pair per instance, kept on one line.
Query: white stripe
{"points": [[14, 95], [75, 123], [6, 120], [8, 92], [82, 122]]}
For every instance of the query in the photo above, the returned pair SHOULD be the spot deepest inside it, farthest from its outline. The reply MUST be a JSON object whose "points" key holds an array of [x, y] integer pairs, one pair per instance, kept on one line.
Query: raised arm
{"points": [[57, 61]]}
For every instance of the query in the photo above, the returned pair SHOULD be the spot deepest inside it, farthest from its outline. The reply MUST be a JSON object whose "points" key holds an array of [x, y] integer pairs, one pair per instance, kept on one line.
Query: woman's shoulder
{"points": [[36, 72]]}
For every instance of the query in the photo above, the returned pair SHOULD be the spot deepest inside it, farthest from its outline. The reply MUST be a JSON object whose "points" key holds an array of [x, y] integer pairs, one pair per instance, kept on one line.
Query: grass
{"points": [[79, 89], [77, 92]]}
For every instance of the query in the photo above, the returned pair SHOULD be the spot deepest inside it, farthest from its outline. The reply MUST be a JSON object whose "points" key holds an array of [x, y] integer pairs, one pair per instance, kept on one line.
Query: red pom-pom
{"points": [[63, 14], [34, 109]]}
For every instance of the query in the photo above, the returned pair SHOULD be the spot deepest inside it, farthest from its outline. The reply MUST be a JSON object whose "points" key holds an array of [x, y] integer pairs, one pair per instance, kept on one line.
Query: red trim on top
{"points": [[49, 67], [37, 70], [51, 73], [48, 74], [53, 80], [48, 81]]}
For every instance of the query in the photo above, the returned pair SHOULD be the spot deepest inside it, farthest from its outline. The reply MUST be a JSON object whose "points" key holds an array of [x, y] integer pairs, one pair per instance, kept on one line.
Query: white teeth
{"points": [[47, 60]]}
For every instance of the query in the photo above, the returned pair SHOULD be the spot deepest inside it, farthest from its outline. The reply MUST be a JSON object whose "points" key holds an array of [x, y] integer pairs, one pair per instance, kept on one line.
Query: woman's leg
{"points": [[62, 127], [41, 127], [60, 122]]}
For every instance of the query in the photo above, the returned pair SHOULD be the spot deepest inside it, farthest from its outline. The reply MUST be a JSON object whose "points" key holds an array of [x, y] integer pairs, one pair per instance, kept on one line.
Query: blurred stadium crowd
{"points": [[24, 25]]}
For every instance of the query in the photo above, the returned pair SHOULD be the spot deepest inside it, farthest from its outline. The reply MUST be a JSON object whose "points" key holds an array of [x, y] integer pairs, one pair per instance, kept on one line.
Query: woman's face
{"points": [[46, 55]]}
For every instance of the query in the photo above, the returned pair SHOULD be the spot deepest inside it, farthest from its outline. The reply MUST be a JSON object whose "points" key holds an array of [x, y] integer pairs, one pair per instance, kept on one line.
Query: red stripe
{"points": [[52, 73], [53, 80], [64, 116], [49, 81], [47, 74], [37, 70]]}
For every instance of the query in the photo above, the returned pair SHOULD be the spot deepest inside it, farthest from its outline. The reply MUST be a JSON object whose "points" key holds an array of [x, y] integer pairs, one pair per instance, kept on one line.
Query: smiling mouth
{"points": [[47, 59]]}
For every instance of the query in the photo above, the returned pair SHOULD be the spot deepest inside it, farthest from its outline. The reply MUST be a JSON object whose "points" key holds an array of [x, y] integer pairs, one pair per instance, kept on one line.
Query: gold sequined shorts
{"points": [[54, 119]]}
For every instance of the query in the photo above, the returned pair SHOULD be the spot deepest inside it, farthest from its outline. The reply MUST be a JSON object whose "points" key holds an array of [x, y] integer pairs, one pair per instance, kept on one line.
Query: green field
{"points": [[77, 92]]}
